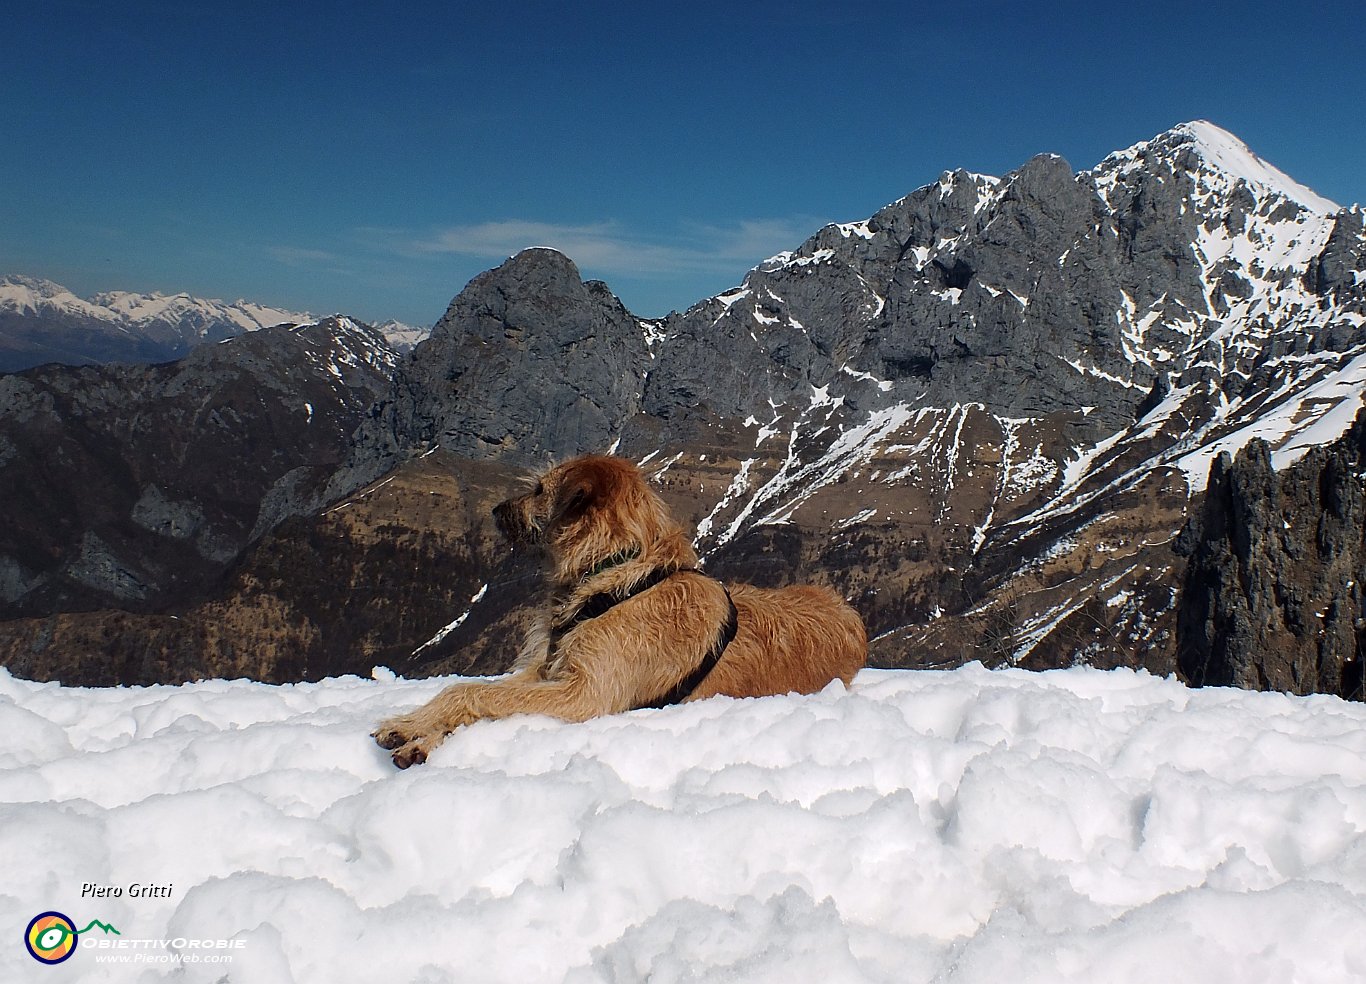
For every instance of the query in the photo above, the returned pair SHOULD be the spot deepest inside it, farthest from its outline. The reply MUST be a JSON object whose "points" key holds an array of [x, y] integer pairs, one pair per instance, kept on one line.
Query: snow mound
{"points": [[956, 826]]}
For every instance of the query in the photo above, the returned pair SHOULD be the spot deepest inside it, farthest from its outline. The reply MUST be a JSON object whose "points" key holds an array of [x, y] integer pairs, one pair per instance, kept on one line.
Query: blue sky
{"points": [[372, 158]]}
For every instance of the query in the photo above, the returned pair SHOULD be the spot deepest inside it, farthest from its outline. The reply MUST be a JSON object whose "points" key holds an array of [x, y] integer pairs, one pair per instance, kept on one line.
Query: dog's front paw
{"points": [[396, 731], [411, 737], [415, 752]]}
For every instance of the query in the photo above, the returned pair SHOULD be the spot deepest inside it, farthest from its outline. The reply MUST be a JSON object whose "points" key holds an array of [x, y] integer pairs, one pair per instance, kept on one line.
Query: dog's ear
{"points": [[588, 482], [577, 493], [574, 500]]}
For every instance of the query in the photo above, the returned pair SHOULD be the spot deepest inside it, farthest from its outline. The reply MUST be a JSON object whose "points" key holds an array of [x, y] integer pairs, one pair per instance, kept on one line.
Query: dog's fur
{"points": [[604, 531]]}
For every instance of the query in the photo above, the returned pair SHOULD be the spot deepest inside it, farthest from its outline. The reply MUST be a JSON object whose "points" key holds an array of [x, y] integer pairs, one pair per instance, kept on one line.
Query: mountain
{"points": [[402, 338], [984, 414], [136, 486], [42, 322]]}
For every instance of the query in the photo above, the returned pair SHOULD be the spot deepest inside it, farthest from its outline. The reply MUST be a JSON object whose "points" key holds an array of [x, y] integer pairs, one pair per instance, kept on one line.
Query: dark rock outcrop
{"points": [[1272, 597], [376, 578], [528, 361]]}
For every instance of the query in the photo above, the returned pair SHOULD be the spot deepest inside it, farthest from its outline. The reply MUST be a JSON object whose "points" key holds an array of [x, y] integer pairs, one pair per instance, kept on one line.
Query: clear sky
{"points": [[371, 158]]}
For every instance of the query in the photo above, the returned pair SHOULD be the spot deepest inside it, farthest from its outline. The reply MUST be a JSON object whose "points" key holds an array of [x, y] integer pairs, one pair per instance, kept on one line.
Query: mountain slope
{"points": [[136, 485]]}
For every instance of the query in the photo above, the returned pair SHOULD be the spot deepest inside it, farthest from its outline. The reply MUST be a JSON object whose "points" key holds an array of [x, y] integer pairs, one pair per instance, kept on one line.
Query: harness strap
{"points": [[605, 601], [694, 679]]}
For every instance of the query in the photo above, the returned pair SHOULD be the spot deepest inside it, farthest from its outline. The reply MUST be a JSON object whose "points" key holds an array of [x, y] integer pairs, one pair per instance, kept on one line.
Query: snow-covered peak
{"points": [[182, 308], [127, 309], [404, 338], [33, 294], [1223, 150], [1223, 153]]}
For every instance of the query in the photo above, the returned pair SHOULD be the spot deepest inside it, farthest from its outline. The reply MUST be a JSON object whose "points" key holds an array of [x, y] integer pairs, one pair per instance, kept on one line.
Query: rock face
{"points": [[136, 486], [529, 361], [982, 414], [1272, 597]]}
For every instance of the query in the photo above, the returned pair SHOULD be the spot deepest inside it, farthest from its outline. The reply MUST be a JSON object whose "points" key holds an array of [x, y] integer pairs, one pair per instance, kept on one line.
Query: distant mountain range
{"points": [[987, 414], [42, 322]]}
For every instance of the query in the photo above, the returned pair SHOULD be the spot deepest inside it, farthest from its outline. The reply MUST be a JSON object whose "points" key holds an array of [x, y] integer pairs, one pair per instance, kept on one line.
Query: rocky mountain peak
{"points": [[1201, 148], [528, 361]]}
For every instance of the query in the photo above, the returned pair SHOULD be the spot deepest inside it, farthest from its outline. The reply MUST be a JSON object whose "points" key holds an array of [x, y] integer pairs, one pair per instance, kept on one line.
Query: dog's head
{"points": [[588, 510], [587, 498]]}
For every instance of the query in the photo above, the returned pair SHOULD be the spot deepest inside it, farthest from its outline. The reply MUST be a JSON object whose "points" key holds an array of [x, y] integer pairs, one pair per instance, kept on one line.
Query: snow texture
{"points": [[964, 826]]}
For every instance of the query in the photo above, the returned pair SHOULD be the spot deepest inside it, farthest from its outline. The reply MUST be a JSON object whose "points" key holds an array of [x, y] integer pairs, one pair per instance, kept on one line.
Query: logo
{"points": [[51, 936]]}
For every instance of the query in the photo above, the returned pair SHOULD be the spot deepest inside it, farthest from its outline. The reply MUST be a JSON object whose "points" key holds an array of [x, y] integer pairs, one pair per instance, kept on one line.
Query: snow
{"points": [[963, 826], [1229, 154], [738, 486], [654, 332], [859, 229], [404, 338], [775, 502], [458, 621], [882, 384], [127, 311], [30, 295], [1315, 413]]}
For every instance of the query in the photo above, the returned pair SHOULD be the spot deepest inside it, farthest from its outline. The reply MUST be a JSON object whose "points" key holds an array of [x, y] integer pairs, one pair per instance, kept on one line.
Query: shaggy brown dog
{"points": [[631, 622]]}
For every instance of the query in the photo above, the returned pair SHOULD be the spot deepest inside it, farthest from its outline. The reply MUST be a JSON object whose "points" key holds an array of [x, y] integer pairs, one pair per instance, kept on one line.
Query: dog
{"points": [[631, 621]]}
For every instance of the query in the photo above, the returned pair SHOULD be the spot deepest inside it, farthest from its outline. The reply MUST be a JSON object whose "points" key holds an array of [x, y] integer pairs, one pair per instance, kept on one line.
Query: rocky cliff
{"points": [[980, 413], [1272, 595]]}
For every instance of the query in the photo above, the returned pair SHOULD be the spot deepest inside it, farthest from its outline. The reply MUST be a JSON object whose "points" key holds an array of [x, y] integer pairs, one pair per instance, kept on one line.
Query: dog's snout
{"points": [[511, 519]]}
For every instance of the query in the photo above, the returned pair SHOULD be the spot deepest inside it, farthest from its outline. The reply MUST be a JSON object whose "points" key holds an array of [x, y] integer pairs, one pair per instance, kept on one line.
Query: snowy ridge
{"points": [[403, 338], [970, 826], [1224, 154], [175, 323], [130, 310], [1227, 153], [31, 295]]}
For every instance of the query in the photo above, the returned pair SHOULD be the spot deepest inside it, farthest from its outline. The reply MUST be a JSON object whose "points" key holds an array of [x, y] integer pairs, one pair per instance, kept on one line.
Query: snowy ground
{"points": [[957, 826]]}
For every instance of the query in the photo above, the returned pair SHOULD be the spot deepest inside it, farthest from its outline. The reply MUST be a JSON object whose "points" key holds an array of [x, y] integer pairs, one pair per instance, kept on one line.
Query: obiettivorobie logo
{"points": [[51, 937]]}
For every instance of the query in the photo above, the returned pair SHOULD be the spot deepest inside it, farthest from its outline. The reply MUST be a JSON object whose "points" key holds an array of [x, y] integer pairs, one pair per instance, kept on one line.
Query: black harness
{"points": [[604, 601]]}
